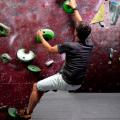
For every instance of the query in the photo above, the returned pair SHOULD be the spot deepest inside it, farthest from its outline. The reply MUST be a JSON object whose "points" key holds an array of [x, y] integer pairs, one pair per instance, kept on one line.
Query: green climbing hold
{"points": [[4, 30], [67, 8], [12, 112], [48, 34], [37, 39], [3, 33], [6, 58], [33, 68]]}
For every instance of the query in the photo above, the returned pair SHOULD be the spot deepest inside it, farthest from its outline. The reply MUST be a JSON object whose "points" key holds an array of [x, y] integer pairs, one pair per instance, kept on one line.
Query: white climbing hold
{"points": [[25, 57]]}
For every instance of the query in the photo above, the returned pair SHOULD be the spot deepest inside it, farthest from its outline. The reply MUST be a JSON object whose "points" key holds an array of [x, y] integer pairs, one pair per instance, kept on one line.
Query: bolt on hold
{"points": [[49, 63]]}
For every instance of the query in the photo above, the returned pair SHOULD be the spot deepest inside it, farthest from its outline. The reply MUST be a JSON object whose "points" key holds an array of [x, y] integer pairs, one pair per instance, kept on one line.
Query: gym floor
{"points": [[78, 106]]}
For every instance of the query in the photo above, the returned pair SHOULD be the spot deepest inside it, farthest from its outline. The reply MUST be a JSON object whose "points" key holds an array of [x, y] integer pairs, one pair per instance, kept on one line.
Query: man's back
{"points": [[77, 57]]}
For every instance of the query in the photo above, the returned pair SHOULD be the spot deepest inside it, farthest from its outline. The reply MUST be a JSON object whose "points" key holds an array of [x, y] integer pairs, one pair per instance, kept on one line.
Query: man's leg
{"points": [[34, 99], [54, 82], [38, 90]]}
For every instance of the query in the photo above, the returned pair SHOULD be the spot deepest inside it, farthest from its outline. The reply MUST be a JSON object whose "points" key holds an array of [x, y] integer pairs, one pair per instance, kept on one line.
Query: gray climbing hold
{"points": [[114, 11], [111, 53], [5, 58]]}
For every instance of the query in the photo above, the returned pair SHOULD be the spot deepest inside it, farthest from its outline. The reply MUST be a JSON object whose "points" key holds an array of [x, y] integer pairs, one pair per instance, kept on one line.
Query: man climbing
{"points": [[73, 72]]}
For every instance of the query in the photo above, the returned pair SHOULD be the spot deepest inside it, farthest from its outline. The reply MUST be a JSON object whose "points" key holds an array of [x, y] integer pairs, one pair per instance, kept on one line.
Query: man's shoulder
{"points": [[70, 43], [89, 43]]}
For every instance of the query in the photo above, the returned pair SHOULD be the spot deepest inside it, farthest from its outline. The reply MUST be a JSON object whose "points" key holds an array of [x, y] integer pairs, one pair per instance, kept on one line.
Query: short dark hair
{"points": [[83, 31]]}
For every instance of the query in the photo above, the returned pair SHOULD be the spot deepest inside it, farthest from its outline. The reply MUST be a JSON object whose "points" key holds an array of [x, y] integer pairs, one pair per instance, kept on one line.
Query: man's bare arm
{"points": [[76, 15], [52, 49]]}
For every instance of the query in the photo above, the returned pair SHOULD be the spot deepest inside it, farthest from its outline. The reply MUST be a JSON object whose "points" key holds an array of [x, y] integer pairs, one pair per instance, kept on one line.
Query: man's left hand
{"points": [[40, 33]]}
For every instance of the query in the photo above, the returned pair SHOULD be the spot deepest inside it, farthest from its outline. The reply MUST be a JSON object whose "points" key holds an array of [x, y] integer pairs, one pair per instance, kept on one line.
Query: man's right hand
{"points": [[72, 4], [76, 15]]}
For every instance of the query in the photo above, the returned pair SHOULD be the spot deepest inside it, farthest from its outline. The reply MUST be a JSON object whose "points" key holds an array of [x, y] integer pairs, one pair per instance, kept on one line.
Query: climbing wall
{"points": [[25, 17]]}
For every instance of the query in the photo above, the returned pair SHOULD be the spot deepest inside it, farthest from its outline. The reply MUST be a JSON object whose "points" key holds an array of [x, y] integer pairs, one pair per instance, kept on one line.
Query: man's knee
{"points": [[35, 87]]}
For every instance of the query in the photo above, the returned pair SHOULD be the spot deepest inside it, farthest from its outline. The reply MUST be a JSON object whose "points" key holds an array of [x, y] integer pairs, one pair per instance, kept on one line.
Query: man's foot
{"points": [[23, 114], [3, 108]]}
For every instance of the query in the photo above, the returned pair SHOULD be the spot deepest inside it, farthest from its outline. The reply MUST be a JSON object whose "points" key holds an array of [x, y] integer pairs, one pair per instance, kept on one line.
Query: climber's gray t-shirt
{"points": [[77, 57]]}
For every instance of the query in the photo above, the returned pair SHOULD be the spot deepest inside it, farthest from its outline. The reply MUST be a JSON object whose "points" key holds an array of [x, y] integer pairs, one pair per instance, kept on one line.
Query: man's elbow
{"points": [[52, 50]]}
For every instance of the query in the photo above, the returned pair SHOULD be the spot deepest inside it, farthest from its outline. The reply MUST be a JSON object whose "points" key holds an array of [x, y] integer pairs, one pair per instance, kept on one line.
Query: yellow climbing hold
{"points": [[99, 17]]}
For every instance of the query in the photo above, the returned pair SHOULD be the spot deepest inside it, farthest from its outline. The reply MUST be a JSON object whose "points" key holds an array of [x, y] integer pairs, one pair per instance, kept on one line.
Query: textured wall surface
{"points": [[25, 18]]}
